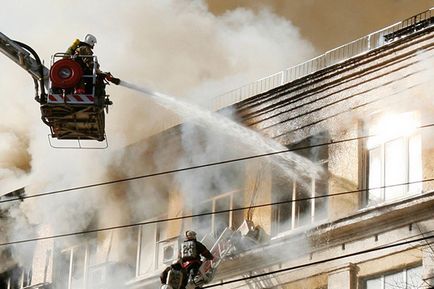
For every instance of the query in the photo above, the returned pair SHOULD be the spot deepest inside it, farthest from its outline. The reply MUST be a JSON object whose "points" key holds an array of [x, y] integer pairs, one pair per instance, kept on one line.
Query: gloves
{"points": [[112, 79]]}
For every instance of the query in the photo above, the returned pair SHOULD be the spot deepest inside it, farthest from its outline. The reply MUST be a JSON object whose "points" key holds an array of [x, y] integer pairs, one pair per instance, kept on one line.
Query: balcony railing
{"points": [[329, 58]]}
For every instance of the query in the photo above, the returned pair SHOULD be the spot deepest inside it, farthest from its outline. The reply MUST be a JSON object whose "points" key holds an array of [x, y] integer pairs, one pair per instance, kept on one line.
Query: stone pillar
{"points": [[42, 263], [428, 266], [343, 277], [343, 167]]}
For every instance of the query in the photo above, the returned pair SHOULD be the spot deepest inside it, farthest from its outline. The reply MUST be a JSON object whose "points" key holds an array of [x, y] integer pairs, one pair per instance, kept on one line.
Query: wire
{"points": [[423, 234], [200, 215], [21, 198], [221, 283]]}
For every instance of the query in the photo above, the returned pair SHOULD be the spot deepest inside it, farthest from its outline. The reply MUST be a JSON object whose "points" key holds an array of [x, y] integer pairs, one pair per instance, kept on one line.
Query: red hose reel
{"points": [[65, 73]]}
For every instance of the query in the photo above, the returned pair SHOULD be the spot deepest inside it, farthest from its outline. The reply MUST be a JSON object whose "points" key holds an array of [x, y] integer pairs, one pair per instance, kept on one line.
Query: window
{"points": [[148, 237], [406, 279], [72, 265], [394, 158], [215, 223], [302, 208], [15, 278], [155, 250], [296, 213]]}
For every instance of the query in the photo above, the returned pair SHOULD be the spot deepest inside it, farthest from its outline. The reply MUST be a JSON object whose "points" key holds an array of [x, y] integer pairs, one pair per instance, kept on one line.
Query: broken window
{"points": [[282, 191], [16, 277], [222, 195], [214, 224], [298, 198], [72, 265], [202, 224]]}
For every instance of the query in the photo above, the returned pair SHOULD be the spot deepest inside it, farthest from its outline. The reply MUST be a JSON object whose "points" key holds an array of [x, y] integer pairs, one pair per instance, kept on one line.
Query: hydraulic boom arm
{"points": [[22, 54]]}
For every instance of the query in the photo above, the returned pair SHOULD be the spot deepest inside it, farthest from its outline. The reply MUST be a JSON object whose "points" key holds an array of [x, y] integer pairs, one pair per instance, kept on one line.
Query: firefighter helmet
{"points": [[90, 39], [190, 235]]}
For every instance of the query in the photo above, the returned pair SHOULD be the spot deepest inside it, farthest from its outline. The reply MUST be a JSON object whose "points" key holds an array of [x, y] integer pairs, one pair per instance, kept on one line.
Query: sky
{"points": [[331, 23]]}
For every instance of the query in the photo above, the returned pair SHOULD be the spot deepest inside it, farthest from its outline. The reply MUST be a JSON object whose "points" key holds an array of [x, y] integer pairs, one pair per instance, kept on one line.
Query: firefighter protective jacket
{"points": [[193, 249]]}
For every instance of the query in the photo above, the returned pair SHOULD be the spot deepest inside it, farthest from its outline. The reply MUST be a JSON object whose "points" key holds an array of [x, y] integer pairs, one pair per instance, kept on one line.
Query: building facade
{"points": [[347, 203]]}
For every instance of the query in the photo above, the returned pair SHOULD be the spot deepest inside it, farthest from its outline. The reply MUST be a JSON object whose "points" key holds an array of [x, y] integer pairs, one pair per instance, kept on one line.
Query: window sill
{"points": [[379, 204]]}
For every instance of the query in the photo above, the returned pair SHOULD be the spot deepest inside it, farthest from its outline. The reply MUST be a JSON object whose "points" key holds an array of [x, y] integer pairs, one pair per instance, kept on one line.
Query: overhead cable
{"points": [[333, 142], [376, 249], [202, 214]]}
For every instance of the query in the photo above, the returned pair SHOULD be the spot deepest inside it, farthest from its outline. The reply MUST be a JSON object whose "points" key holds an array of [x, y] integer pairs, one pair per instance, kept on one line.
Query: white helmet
{"points": [[90, 39], [190, 235]]}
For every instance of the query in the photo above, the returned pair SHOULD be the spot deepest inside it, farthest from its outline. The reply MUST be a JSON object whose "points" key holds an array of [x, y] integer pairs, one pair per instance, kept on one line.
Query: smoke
{"points": [[178, 47], [344, 20], [212, 137], [14, 159], [192, 53]]}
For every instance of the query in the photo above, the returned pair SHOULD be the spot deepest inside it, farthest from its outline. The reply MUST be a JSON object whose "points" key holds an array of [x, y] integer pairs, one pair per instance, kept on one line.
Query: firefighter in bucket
{"points": [[82, 52]]}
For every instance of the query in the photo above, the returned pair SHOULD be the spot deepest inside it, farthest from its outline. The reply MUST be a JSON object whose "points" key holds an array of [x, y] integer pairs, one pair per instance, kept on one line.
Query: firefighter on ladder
{"points": [[191, 251], [174, 276]]}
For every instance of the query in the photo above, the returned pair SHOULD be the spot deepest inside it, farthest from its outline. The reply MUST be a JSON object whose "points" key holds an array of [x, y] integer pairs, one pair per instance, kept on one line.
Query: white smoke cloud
{"points": [[13, 162], [174, 46], [177, 47]]}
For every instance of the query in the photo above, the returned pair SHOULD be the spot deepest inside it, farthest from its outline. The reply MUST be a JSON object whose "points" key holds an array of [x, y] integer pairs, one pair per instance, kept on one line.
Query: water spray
{"points": [[291, 164]]}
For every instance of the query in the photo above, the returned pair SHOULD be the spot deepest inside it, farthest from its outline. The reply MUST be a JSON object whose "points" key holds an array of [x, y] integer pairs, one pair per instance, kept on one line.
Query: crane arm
{"points": [[28, 59]]}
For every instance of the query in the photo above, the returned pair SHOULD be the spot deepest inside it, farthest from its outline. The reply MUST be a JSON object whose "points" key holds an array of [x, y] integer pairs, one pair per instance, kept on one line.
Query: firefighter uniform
{"points": [[174, 276], [191, 250]]}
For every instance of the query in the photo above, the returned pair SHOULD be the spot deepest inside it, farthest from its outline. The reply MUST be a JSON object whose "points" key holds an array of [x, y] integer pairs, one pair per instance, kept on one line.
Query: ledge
{"points": [[300, 244]]}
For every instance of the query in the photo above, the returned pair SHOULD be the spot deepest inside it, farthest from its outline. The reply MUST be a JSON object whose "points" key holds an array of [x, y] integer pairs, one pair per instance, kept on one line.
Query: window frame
{"points": [[153, 251], [382, 276], [213, 200], [86, 262], [315, 153], [158, 243], [294, 218], [23, 280], [406, 188]]}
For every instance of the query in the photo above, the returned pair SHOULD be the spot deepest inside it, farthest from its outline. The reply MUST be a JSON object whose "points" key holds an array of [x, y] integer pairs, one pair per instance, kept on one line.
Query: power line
{"points": [[320, 261], [204, 165], [21, 198], [201, 214]]}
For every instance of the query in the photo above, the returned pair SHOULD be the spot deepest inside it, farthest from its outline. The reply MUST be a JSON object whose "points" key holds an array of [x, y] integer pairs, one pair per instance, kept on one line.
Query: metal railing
{"points": [[329, 58]]}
